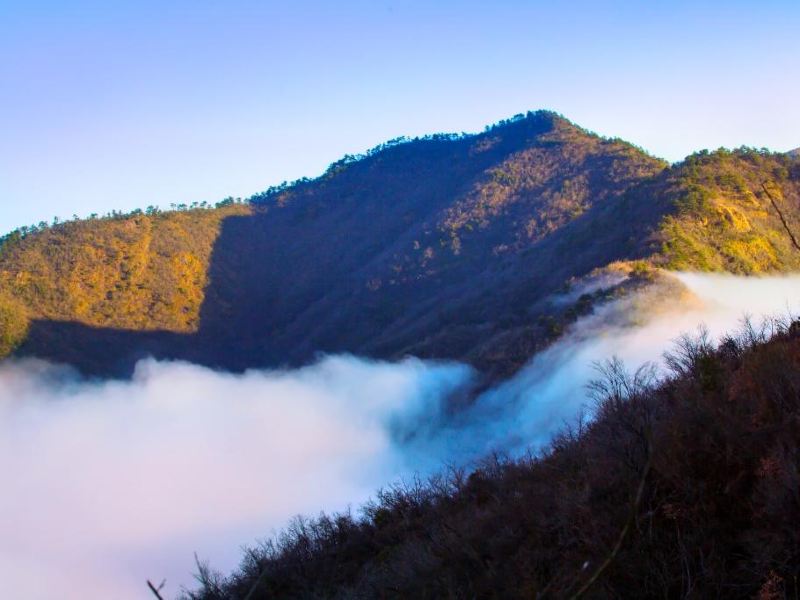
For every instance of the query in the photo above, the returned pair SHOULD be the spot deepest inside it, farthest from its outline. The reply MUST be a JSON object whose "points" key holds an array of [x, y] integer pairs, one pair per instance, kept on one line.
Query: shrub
{"points": [[13, 324]]}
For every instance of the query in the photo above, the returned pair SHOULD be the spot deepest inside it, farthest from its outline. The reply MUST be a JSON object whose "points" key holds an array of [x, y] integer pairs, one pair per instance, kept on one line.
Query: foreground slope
{"points": [[444, 247], [683, 489]]}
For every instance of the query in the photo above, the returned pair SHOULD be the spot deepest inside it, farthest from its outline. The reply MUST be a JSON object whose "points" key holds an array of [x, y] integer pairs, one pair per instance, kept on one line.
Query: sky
{"points": [[121, 105]]}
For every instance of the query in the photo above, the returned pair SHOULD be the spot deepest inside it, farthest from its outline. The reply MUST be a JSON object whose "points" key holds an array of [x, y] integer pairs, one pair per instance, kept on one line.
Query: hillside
{"points": [[143, 271], [684, 489], [724, 219], [445, 247]]}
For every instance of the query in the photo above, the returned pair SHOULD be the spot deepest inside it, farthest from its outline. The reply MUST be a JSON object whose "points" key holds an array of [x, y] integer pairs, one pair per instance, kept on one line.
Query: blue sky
{"points": [[114, 107]]}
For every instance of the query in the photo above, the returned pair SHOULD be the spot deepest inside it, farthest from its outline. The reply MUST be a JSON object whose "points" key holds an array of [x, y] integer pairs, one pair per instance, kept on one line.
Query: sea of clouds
{"points": [[109, 483]]}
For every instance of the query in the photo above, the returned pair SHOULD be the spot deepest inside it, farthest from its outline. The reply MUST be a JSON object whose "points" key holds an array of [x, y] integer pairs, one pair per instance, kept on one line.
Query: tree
{"points": [[13, 323]]}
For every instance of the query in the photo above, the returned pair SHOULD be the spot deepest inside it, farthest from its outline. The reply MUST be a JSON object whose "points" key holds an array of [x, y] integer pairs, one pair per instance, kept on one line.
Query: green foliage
{"points": [[138, 271], [721, 219], [13, 323], [696, 200]]}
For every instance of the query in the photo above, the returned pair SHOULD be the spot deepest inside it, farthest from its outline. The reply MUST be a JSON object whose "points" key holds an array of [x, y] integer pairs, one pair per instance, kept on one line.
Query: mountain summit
{"points": [[479, 248]]}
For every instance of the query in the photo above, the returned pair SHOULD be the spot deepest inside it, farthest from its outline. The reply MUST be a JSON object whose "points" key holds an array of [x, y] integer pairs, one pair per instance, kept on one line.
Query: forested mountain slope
{"points": [[445, 247]]}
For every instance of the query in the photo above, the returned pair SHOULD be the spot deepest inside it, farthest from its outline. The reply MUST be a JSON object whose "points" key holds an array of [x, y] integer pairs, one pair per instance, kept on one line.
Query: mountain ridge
{"points": [[443, 247]]}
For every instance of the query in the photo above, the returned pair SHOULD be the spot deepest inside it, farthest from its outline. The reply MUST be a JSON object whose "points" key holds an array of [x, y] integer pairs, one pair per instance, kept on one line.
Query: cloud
{"points": [[528, 409], [107, 483]]}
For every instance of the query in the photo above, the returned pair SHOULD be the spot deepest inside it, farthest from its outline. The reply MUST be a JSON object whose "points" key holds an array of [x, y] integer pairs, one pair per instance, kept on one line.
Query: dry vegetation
{"points": [[140, 271], [686, 488], [538, 190]]}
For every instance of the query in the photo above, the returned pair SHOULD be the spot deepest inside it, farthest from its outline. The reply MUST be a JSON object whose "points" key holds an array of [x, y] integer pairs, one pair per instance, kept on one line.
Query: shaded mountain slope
{"points": [[445, 247], [420, 248]]}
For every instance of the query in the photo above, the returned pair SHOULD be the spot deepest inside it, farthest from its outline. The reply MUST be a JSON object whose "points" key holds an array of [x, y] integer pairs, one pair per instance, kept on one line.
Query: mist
{"points": [[108, 483], [524, 413]]}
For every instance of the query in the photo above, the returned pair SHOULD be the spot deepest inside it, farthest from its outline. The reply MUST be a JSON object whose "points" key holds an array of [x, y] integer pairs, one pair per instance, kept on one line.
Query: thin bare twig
{"points": [[623, 534], [156, 590], [261, 578], [780, 214]]}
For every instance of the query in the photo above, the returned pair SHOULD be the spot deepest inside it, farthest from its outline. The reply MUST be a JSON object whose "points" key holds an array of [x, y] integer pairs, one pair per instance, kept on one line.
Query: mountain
{"points": [[795, 152], [479, 248]]}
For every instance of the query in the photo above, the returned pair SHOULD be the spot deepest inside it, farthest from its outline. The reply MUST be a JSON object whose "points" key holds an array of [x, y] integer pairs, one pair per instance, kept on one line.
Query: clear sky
{"points": [[108, 105]]}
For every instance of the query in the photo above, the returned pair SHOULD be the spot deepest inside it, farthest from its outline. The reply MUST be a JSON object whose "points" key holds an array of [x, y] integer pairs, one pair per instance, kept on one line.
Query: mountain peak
{"points": [[446, 246], [538, 122]]}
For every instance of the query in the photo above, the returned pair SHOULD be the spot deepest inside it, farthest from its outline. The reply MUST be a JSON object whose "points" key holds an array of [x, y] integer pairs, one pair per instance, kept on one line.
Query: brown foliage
{"points": [[716, 516]]}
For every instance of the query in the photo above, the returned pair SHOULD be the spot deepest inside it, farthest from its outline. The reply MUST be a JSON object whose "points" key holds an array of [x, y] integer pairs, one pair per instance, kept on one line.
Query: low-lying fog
{"points": [[106, 484]]}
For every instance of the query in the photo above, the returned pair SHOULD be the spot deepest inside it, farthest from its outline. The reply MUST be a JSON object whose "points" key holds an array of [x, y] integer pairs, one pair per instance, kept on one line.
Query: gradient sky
{"points": [[120, 105]]}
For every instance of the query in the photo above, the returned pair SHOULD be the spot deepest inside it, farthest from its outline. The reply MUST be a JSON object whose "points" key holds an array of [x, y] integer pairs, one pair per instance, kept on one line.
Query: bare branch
{"points": [[261, 578], [624, 533], [156, 590], [780, 214]]}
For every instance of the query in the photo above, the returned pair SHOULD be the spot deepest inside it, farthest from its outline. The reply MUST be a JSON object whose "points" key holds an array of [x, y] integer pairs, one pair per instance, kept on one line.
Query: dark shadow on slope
{"points": [[333, 265], [97, 351], [251, 318]]}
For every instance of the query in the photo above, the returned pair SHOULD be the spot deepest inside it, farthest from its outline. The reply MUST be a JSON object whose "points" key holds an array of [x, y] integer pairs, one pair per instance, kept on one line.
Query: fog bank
{"points": [[109, 483], [528, 409], [106, 484]]}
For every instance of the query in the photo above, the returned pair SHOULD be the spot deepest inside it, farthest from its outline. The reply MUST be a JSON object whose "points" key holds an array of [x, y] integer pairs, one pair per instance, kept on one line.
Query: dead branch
{"points": [[261, 578], [156, 590], [780, 214], [623, 534]]}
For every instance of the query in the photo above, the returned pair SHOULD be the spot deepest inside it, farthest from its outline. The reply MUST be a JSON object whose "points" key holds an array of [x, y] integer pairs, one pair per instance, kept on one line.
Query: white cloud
{"points": [[528, 409], [108, 483]]}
